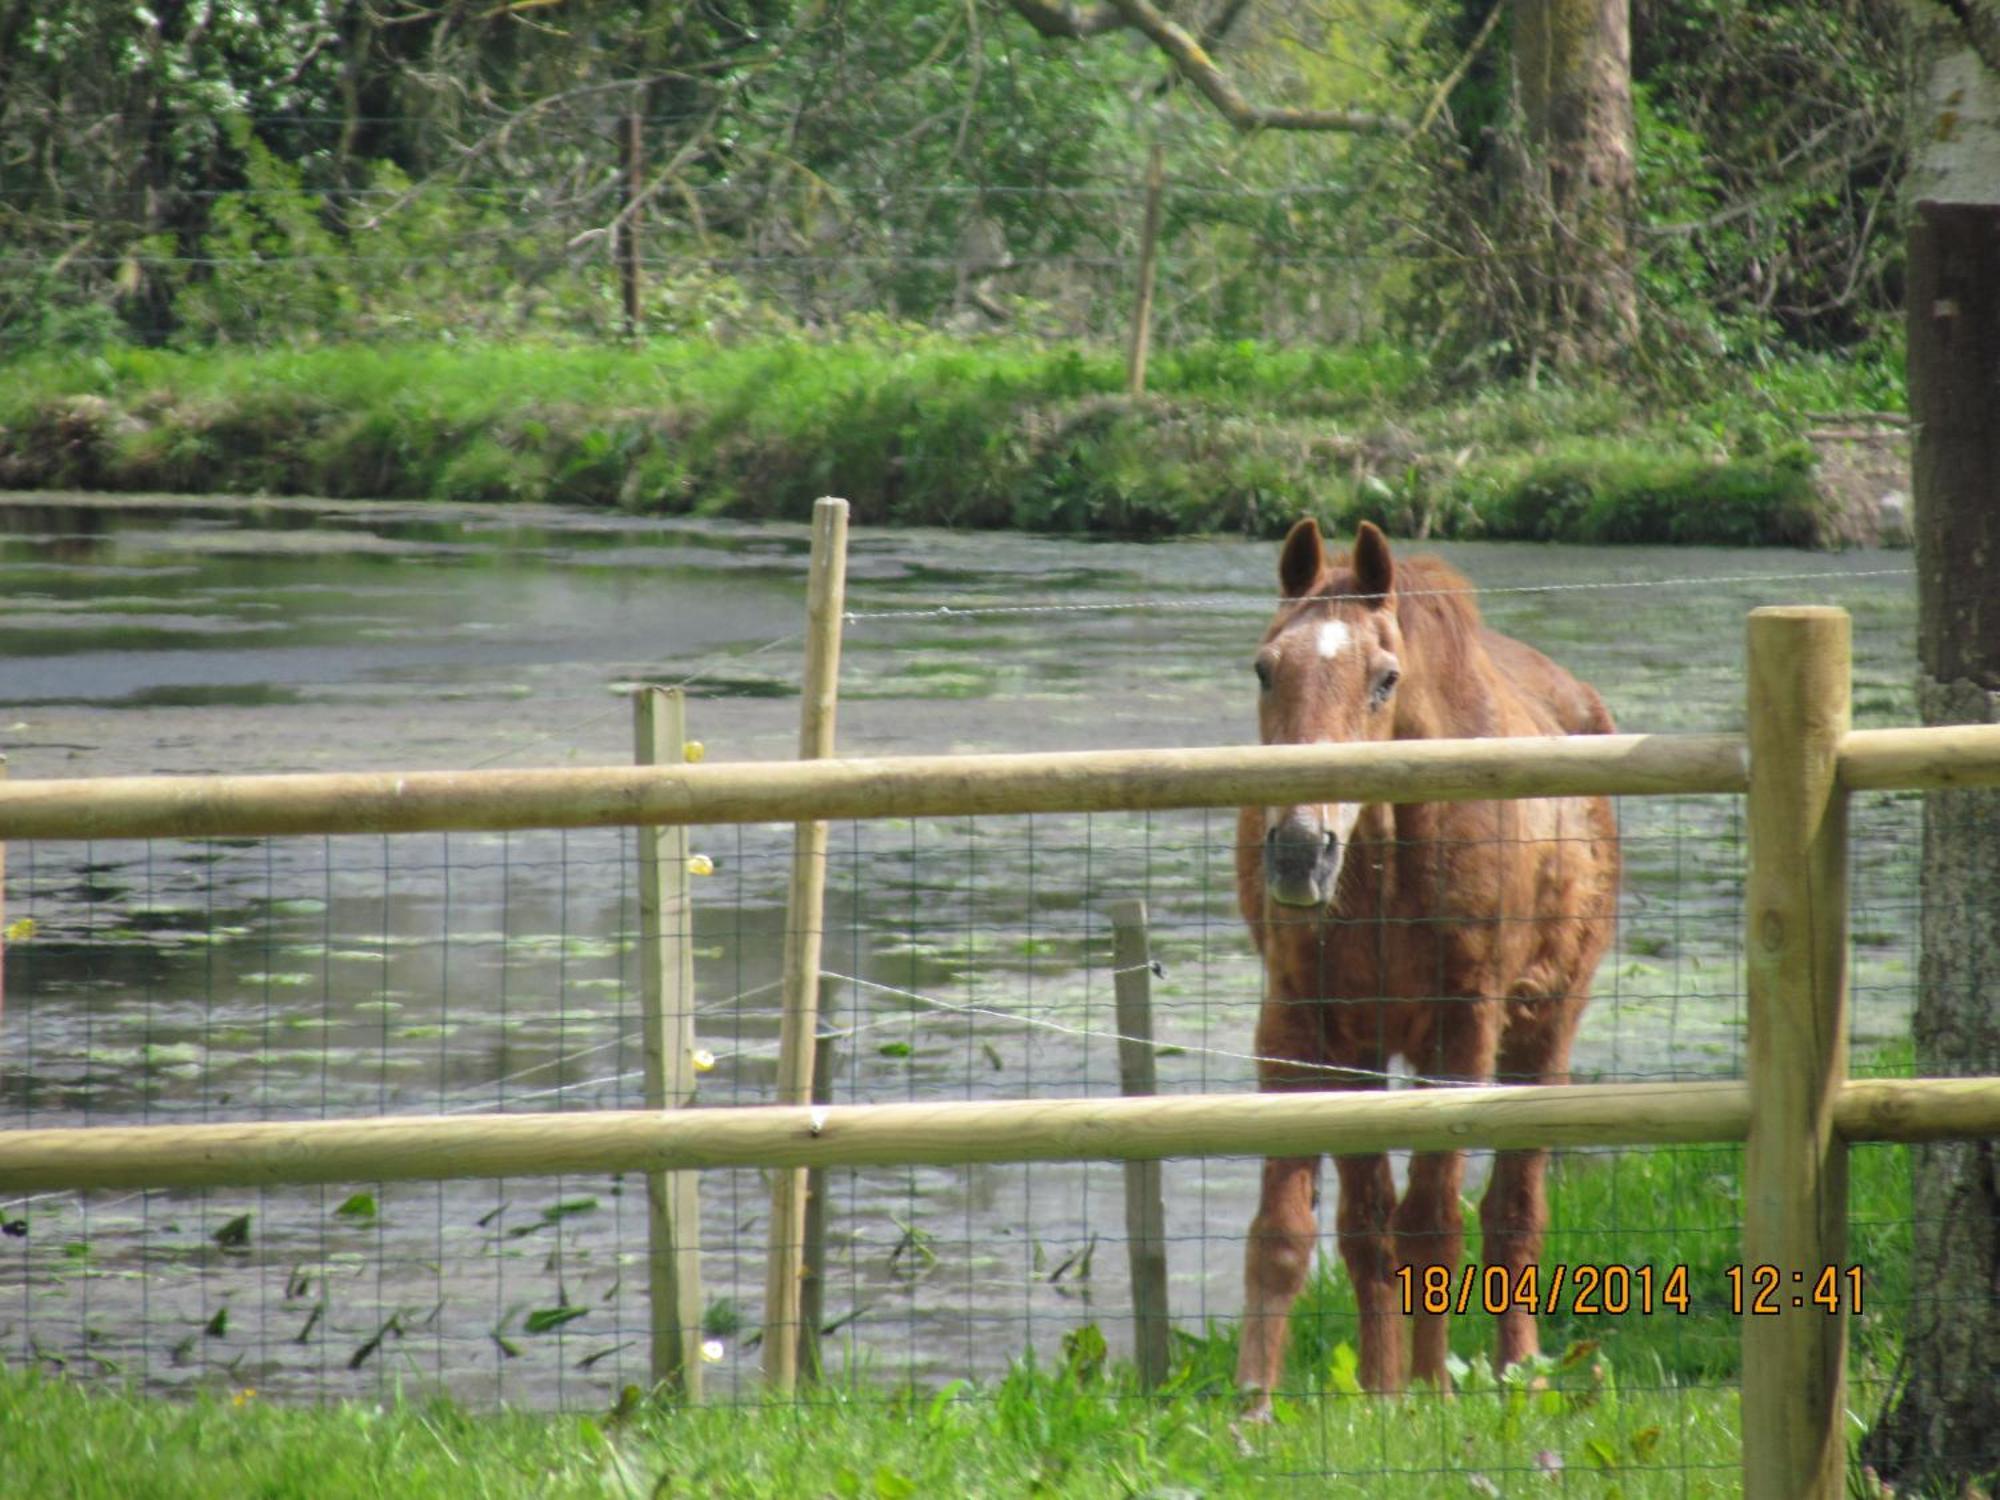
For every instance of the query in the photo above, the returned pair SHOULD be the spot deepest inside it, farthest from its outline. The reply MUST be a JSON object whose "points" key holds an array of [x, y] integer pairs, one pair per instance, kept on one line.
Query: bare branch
{"points": [[1199, 69], [1061, 18], [1457, 75]]}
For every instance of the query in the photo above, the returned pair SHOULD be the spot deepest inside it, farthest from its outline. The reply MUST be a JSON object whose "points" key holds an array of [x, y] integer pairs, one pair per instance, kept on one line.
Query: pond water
{"points": [[235, 979]]}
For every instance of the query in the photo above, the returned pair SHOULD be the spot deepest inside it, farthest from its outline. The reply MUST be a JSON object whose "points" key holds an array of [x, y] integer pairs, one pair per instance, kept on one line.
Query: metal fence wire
{"points": [[253, 979]]}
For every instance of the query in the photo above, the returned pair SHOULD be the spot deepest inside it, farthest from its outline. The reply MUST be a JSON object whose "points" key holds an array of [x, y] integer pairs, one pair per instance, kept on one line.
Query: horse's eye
{"points": [[1384, 686], [1263, 669]]}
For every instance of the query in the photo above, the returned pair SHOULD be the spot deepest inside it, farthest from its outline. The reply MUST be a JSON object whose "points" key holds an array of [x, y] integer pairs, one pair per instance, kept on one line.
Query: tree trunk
{"points": [[1939, 1432], [1573, 82]]}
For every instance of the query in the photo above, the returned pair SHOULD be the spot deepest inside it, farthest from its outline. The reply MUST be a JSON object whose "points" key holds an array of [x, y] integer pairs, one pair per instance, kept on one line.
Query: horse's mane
{"points": [[1432, 596]]}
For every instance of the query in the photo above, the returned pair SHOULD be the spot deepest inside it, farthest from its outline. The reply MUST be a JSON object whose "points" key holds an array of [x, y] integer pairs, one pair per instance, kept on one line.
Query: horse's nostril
{"points": [[1329, 838]]}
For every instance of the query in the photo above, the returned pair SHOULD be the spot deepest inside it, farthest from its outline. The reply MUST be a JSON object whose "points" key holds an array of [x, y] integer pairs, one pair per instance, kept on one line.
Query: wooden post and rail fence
{"points": [[1798, 1111]]}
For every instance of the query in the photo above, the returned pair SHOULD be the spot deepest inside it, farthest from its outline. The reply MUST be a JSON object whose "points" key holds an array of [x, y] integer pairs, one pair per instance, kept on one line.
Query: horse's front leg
{"points": [[1291, 1047], [1429, 1225], [1276, 1261]]}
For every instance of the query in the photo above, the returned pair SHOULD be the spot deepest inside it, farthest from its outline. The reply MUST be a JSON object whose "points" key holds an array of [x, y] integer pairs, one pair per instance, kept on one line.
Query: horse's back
{"points": [[1558, 701]]}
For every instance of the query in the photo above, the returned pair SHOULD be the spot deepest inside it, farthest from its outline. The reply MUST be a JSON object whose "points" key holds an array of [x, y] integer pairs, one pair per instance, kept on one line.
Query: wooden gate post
{"points": [[1795, 963], [666, 974], [805, 920]]}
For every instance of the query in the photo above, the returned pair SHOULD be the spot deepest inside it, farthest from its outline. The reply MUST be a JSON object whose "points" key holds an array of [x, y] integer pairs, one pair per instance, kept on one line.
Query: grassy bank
{"points": [[1639, 1404], [922, 429], [1063, 1432]]}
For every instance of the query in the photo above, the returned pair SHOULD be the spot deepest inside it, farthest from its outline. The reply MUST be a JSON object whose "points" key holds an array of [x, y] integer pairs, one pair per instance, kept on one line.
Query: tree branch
{"points": [[1194, 64], [1199, 69], [1457, 75], [1062, 19]]}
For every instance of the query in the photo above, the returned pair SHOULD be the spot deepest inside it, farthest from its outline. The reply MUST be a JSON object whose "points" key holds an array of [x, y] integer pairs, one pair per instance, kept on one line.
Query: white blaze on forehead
{"points": [[1334, 638]]}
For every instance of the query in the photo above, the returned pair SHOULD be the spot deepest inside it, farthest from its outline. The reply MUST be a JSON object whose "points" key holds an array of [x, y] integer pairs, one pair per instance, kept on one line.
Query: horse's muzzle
{"points": [[1301, 860]]}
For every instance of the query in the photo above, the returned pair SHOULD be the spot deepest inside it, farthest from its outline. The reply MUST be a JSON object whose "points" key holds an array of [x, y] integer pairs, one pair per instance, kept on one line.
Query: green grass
{"points": [[1635, 1405], [918, 429], [1062, 1432]]}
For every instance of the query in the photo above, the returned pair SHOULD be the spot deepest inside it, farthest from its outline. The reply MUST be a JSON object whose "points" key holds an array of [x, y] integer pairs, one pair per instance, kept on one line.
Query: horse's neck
{"points": [[1445, 700]]}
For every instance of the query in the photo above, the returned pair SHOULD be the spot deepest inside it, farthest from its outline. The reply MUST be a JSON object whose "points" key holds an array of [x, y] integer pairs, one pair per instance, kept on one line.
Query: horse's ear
{"points": [[1302, 560], [1374, 569]]}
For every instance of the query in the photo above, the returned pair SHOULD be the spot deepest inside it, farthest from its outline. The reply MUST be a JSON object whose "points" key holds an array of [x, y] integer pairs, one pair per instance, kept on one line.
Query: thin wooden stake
{"points": [[1149, 248], [1145, 1210], [812, 1266], [826, 594], [1795, 967], [628, 234], [666, 970]]}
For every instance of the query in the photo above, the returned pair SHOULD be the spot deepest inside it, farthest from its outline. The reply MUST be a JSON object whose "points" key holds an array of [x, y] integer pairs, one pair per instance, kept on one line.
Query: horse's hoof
{"points": [[1256, 1408]]}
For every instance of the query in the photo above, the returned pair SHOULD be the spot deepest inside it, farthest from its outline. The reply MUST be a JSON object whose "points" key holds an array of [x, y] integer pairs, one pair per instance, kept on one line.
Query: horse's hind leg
{"points": [[1367, 1199], [1515, 1211], [1511, 1218], [1430, 1233]]}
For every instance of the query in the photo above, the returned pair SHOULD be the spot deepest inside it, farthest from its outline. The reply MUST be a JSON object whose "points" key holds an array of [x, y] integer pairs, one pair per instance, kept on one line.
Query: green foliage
{"points": [[1773, 136], [1622, 496]]}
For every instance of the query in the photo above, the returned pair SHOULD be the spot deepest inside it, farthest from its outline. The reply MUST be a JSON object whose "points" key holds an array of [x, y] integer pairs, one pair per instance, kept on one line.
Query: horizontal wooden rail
{"points": [[898, 786], [947, 786], [426, 1148], [1938, 758]]}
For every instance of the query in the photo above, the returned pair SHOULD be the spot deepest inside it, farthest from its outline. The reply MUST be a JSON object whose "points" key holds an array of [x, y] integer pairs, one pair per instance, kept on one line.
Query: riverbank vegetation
{"points": [[918, 428], [620, 253]]}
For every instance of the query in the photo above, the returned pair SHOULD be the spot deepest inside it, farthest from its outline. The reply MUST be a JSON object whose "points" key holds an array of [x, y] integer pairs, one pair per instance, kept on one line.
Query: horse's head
{"points": [[1326, 672]]}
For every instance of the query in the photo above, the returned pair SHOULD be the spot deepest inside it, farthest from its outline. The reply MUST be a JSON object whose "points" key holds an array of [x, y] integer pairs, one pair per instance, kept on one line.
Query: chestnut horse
{"points": [[1459, 936]]}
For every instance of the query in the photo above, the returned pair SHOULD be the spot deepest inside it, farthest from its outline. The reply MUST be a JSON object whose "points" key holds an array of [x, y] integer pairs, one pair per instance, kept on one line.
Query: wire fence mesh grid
{"points": [[965, 959]]}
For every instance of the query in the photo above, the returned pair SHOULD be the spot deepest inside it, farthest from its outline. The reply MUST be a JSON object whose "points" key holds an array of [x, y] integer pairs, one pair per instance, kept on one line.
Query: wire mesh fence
{"points": [[965, 959]]}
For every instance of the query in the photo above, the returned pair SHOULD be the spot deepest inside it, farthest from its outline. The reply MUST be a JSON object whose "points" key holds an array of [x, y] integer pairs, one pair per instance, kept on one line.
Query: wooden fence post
{"points": [[666, 973], [1145, 1212], [1795, 961], [1149, 258], [826, 594]]}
